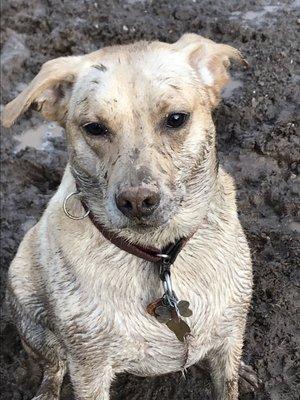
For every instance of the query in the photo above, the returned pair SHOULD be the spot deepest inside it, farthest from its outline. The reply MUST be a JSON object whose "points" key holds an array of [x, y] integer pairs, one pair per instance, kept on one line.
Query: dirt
{"points": [[258, 144]]}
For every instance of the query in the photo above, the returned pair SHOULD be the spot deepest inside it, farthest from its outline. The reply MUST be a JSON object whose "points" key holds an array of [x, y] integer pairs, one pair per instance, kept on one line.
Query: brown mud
{"points": [[258, 144]]}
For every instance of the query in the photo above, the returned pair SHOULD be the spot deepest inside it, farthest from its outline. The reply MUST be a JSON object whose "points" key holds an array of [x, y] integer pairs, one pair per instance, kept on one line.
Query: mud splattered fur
{"points": [[79, 302]]}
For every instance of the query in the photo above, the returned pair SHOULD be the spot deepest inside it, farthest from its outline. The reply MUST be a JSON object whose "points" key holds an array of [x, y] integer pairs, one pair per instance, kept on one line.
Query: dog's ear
{"points": [[49, 91], [211, 61]]}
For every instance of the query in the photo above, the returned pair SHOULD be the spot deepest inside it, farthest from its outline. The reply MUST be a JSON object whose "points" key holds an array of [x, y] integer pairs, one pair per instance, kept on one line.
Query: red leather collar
{"points": [[151, 254]]}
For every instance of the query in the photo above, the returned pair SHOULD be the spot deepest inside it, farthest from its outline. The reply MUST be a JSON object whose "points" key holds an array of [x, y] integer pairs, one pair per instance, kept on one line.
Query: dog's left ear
{"points": [[211, 61]]}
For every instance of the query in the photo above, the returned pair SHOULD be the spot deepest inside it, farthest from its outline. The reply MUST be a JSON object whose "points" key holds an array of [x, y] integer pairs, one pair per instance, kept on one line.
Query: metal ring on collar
{"points": [[67, 212], [164, 256]]}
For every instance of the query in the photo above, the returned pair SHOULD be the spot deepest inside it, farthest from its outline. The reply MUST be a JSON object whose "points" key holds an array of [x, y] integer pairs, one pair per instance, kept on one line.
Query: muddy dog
{"points": [[142, 200]]}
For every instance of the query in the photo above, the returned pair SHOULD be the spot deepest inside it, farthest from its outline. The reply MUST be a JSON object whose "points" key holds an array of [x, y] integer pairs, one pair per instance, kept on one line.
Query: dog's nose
{"points": [[137, 202]]}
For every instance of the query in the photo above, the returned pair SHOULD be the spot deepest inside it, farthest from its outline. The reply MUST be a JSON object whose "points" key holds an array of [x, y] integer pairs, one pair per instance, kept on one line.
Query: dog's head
{"points": [[139, 127]]}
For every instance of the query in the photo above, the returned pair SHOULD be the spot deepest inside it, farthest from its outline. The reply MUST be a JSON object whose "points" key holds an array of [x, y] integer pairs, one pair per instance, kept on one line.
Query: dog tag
{"points": [[179, 327], [153, 306], [160, 310], [184, 310], [163, 314]]}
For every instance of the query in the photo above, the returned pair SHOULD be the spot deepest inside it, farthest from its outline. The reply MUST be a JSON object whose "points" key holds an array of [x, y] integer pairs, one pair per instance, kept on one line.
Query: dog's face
{"points": [[138, 123]]}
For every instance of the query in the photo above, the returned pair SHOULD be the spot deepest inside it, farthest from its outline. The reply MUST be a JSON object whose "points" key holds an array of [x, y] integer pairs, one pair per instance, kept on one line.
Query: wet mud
{"points": [[258, 144]]}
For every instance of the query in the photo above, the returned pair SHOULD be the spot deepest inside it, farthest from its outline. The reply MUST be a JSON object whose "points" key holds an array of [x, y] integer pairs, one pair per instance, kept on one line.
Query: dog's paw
{"points": [[248, 379]]}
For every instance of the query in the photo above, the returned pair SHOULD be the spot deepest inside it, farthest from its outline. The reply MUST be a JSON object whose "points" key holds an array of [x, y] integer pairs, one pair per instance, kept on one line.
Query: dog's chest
{"points": [[108, 313]]}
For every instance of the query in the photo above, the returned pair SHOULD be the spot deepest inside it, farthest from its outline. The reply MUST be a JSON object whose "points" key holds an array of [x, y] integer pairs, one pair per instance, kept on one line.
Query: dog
{"points": [[139, 263]]}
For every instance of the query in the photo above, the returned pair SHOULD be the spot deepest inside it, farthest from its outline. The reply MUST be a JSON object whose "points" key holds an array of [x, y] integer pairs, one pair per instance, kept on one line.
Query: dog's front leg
{"points": [[225, 363], [90, 381]]}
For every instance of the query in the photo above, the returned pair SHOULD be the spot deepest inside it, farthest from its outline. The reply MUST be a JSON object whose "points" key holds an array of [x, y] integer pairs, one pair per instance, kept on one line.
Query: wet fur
{"points": [[79, 302]]}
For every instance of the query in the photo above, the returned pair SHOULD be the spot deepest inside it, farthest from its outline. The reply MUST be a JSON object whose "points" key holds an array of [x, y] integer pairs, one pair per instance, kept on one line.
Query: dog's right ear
{"points": [[49, 91]]}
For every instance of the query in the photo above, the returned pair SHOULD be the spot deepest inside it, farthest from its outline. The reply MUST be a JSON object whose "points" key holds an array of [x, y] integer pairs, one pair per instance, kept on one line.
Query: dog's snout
{"points": [[137, 202]]}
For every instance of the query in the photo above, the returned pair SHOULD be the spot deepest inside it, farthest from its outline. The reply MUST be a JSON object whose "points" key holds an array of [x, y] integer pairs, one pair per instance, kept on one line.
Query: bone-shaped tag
{"points": [[180, 328], [184, 310]]}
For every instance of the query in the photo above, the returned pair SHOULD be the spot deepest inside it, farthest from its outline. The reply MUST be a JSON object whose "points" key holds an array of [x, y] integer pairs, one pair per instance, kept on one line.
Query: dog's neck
{"points": [[149, 253]]}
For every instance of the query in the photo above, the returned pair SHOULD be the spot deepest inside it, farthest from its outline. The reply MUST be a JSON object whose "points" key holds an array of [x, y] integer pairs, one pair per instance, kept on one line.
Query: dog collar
{"points": [[167, 255]]}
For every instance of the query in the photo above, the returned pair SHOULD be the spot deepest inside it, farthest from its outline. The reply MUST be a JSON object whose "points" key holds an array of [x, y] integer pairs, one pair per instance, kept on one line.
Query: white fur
{"points": [[206, 75]]}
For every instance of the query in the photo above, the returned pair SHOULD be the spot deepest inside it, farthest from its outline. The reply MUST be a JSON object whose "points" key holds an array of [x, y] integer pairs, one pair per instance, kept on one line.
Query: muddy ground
{"points": [[257, 144]]}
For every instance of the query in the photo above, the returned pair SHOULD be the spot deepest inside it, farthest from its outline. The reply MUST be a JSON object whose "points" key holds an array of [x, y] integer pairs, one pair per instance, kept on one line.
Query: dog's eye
{"points": [[176, 120], [96, 129]]}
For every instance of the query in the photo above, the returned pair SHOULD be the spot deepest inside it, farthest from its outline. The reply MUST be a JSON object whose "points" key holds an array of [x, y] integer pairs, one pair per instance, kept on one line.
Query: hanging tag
{"points": [[180, 328], [184, 310], [168, 310]]}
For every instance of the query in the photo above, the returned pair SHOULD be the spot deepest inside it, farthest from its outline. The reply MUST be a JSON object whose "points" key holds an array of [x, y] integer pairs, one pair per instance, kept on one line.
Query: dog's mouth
{"points": [[139, 225], [145, 225], [114, 219], [161, 218]]}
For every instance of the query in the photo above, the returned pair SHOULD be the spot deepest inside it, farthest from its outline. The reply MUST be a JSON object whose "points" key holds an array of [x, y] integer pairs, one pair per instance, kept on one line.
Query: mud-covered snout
{"points": [[138, 202], [138, 194]]}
